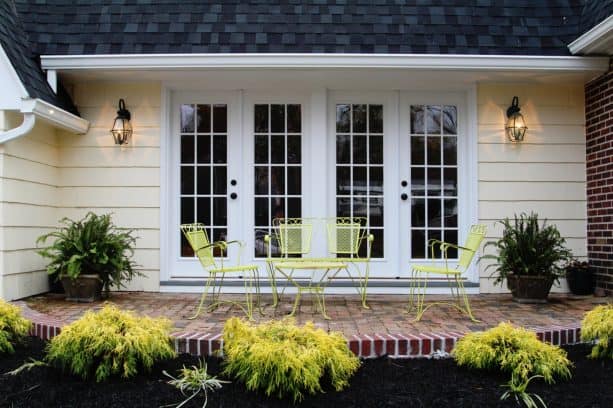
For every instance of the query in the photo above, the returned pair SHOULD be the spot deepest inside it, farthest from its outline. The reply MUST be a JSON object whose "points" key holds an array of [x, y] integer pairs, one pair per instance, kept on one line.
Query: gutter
{"points": [[34, 109], [149, 62]]}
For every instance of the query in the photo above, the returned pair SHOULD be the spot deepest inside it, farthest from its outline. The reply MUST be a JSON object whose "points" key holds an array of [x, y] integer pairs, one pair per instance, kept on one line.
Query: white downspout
{"points": [[27, 125]]}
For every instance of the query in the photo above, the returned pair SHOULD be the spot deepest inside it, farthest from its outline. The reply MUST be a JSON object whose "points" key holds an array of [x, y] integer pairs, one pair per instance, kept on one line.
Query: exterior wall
{"points": [[29, 207], [599, 155], [545, 173], [96, 175]]}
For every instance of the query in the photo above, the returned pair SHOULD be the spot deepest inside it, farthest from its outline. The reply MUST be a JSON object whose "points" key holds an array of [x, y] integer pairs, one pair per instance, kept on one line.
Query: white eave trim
{"points": [[407, 61], [54, 115], [598, 36]]}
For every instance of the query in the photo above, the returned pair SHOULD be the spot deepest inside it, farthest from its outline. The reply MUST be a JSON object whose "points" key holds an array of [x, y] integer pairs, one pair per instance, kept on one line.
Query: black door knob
{"points": [[404, 183], [233, 182], [404, 196], [233, 196]]}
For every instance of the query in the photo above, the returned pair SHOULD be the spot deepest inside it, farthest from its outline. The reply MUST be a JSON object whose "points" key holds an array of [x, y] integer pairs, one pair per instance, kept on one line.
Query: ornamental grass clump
{"points": [[111, 342], [597, 326], [13, 327], [514, 350], [283, 359]]}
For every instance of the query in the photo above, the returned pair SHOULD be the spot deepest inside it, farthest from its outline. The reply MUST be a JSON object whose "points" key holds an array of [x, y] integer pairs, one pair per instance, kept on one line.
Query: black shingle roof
{"points": [[15, 44], [512, 27], [594, 12]]}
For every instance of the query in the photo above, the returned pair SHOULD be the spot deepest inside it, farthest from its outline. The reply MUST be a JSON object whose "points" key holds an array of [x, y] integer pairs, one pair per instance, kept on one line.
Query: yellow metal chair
{"points": [[345, 237], [421, 273], [294, 236], [204, 249]]}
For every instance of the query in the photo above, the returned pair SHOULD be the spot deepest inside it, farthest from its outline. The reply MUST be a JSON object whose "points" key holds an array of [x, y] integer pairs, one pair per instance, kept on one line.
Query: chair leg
{"points": [[203, 297], [464, 296], [321, 301], [297, 301]]}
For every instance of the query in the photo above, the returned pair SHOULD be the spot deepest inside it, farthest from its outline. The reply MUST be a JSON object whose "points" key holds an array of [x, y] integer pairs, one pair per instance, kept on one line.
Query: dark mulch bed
{"points": [[378, 383]]}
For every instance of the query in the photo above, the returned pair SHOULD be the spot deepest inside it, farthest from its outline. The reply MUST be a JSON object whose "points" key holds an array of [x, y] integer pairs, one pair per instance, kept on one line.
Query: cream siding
{"points": [[97, 175], [29, 207], [545, 173]]}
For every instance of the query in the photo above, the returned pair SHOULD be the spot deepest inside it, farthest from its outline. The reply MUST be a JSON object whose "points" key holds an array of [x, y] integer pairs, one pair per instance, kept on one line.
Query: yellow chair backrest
{"points": [[345, 235], [475, 236], [198, 239], [294, 235]]}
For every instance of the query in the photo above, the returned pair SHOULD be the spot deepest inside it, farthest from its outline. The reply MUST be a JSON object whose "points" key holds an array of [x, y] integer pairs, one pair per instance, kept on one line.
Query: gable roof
{"points": [[509, 27], [14, 41]]}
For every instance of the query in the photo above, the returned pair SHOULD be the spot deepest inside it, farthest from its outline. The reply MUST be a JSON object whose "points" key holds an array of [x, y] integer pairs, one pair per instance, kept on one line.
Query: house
{"points": [[246, 110]]}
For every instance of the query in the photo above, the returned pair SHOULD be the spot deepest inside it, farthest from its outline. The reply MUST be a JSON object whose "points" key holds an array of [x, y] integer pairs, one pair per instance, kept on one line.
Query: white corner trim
{"points": [[52, 79], [29, 119], [54, 115], [594, 38], [406, 61], [4, 59]]}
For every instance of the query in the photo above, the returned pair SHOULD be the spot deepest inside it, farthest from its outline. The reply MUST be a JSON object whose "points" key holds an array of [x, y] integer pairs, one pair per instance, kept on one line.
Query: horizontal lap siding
{"points": [[97, 175], [29, 200], [545, 173]]}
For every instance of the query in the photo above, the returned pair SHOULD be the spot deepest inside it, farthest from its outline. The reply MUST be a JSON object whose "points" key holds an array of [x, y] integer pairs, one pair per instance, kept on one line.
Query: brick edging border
{"points": [[395, 345]]}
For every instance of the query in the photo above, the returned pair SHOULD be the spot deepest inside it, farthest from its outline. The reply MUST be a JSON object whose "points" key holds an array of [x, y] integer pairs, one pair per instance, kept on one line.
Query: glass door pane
{"points": [[204, 170], [359, 168], [277, 168], [433, 161]]}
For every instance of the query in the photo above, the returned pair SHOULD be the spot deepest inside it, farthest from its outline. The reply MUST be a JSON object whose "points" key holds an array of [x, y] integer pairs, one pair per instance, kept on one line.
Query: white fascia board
{"points": [[10, 82], [407, 61], [593, 39], [55, 116]]}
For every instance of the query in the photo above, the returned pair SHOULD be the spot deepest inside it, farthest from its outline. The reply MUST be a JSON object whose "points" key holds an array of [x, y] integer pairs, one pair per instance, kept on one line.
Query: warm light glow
{"points": [[122, 129], [516, 125]]}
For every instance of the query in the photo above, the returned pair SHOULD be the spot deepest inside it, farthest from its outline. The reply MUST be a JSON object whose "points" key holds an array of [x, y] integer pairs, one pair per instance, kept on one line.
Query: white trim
{"points": [[596, 38], [7, 62], [38, 109], [409, 61], [52, 79], [165, 197], [54, 115]]}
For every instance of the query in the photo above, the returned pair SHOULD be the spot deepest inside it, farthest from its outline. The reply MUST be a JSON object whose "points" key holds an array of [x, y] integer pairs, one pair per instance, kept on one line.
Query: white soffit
{"points": [[599, 40], [403, 61]]}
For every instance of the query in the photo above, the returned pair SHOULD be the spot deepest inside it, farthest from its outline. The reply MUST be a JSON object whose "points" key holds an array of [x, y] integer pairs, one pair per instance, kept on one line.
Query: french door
{"points": [[397, 159], [239, 163]]}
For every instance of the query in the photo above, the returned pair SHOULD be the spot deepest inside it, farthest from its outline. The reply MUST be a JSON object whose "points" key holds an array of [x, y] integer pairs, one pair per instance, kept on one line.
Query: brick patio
{"points": [[384, 329]]}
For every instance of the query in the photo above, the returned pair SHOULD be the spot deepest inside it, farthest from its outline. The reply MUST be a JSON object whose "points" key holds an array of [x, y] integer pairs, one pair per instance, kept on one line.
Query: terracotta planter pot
{"points": [[529, 289], [85, 288]]}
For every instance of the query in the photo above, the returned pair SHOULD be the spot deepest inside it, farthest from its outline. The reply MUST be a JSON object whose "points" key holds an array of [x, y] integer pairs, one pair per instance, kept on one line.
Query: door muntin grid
{"points": [[434, 177], [277, 169], [359, 168], [204, 171]]}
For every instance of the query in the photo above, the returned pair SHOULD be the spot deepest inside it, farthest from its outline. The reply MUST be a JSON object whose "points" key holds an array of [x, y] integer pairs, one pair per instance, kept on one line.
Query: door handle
{"points": [[233, 196], [404, 196]]}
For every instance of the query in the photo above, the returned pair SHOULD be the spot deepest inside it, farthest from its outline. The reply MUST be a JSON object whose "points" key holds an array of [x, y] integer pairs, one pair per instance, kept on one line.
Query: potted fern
{"points": [[89, 255], [531, 257]]}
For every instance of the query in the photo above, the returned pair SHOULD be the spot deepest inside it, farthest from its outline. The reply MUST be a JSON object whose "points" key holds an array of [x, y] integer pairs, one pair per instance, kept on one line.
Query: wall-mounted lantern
{"points": [[122, 129], [516, 126]]}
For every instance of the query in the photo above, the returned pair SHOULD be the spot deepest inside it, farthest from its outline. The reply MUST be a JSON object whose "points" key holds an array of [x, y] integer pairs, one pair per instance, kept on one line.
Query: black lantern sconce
{"points": [[122, 129], [516, 126]]}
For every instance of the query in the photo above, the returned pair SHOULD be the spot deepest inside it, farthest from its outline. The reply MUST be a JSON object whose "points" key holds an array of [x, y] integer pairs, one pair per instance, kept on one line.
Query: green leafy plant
{"points": [[110, 342], [195, 380], [528, 248], [517, 389], [512, 349], [286, 360], [597, 326], [92, 245], [13, 327]]}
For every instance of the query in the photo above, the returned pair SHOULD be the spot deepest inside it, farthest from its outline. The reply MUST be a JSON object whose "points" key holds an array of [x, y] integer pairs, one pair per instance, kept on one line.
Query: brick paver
{"points": [[386, 316]]}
